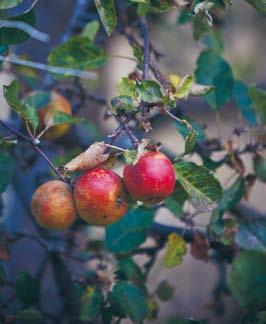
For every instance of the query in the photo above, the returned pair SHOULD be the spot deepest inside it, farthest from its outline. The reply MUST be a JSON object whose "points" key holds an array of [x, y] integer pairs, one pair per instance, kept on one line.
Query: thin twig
{"points": [[53, 69], [33, 32], [146, 51]]}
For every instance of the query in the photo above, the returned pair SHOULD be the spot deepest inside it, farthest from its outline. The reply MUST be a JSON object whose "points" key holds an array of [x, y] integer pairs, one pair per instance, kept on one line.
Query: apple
{"points": [[100, 196], [53, 205], [151, 179]]}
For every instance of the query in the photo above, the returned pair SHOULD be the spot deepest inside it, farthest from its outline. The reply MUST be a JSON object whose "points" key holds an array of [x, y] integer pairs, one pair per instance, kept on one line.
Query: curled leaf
{"points": [[89, 159]]}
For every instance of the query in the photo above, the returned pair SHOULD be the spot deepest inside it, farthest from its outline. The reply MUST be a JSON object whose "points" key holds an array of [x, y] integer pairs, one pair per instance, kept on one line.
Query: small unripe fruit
{"points": [[53, 205], [151, 179], [100, 197], [57, 103]]}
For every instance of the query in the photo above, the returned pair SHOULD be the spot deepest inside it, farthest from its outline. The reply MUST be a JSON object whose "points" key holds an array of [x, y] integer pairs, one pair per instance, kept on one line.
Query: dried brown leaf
{"points": [[199, 247], [89, 159]]}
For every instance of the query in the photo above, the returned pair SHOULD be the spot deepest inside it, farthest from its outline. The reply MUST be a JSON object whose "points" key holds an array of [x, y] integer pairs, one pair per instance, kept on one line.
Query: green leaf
{"points": [[259, 163], [214, 41], [244, 102], [184, 131], [92, 301], [175, 202], [129, 232], [258, 96], [6, 4], [10, 36], [78, 52], [6, 169], [231, 198], [202, 21], [127, 87], [59, 118], [30, 315], [107, 13], [190, 140], [175, 250], [260, 5], [184, 87], [91, 29], [25, 111], [129, 270], [38, 99], [200, 184], [122, 103], [214, 70], [131, 299], [252, 235], [247, 279], [200, 90], [27, 289], [165, 291], [149, 91]]}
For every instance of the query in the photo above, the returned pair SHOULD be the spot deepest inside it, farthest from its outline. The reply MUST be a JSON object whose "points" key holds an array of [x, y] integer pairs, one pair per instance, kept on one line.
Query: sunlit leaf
{"points": [[127, 87], [149, 91], [91, 30], [6, 4], [107, 13]]}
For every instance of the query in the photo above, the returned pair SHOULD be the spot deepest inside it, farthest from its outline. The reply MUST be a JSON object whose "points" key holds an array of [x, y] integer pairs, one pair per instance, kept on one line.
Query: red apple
{"points": [[151, 179], [100, 197], [53, 205]]}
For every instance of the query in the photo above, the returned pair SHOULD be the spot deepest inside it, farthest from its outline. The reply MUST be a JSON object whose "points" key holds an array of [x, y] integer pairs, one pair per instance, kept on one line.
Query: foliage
{"points": [[111, 285]]}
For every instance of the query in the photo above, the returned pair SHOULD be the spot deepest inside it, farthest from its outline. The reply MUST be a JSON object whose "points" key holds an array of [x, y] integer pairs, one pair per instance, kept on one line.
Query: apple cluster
{"points": [[100, 196]]}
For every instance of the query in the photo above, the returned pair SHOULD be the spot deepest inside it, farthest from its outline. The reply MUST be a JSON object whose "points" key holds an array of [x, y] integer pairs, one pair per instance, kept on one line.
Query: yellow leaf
{"points": [[175, 250], [174, 80]]}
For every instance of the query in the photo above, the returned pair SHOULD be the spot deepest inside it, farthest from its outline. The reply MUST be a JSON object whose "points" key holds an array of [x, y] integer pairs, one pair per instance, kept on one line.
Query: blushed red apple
{"points": [[100, 197], [53, 205], [151, 179]]}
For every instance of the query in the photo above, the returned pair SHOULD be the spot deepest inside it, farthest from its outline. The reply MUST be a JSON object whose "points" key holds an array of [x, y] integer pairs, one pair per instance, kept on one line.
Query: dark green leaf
{"points": [[91, 30], [3, 52], [129, 232], [149, 91], [244, 102], [131, 299], [175, 202], [107, 13], [6, 169], [200, 184], [30, 315], [175, 250], [25, 111], [165, 291], [27, 289], [78, 52], [92, 301], [252, 235], [214, 70], [6, 4], [258, 97], [259, 163], [9, 36], [231, 197], [247, 279], [130, 271], [214, 41], [260, 5]]}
